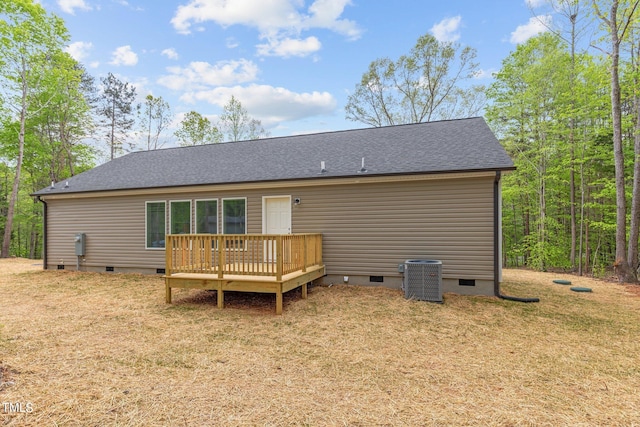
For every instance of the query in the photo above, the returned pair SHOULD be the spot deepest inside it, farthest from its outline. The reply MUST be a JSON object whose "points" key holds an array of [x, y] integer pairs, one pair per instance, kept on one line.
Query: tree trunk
{"points": [[33, 242], [527, 232], [6, 241], [113, 127], [572, 144], [623, 271], [583, 268], [586, 248], [634, 232]]}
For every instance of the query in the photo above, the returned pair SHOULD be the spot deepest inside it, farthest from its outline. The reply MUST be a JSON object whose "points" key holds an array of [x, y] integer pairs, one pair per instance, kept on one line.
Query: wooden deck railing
{"points": [[242, 254]]}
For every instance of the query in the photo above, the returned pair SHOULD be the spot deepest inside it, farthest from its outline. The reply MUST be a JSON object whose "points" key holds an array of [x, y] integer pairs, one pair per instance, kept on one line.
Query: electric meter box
{"points": [[81, 244]]}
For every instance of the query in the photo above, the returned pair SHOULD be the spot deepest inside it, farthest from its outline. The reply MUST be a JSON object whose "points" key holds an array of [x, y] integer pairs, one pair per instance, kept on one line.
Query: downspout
{"points": [[44, 231], [496, 245]]}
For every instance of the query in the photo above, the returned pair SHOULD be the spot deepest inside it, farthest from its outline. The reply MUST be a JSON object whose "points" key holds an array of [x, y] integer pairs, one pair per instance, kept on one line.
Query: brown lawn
{"points": [[103, 349]]}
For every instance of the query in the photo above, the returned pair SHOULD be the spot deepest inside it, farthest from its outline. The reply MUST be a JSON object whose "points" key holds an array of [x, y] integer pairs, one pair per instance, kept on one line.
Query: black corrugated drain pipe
{"points": [[496, 245]]}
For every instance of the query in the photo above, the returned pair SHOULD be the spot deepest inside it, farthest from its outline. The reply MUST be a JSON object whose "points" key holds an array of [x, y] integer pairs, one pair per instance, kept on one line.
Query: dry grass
{"points": [[100, 349]]}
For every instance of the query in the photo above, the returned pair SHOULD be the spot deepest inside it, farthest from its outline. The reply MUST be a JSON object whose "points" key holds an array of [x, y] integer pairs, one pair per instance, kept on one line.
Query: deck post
{"points": [[168, 251], [305, 242], [221, 257], [279, 301], [220, 296], [167, 286], [279, 256], [207, 253], [304, 291]]}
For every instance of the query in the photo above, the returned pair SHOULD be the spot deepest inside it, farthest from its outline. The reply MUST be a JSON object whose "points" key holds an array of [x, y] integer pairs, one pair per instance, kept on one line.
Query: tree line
{"points": [[565, 105], [570, 119]]}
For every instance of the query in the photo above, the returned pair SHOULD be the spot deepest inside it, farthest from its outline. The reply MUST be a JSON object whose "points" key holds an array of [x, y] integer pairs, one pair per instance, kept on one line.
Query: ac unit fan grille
{"points": [[423, 280]]}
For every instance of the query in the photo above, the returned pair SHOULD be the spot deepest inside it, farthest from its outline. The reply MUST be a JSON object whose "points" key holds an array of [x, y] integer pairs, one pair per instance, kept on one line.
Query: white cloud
{"points": [[124, 56], [326, 14], [170, 53], [536, 25], [69, 6], [79, 50], [278, 21], [447, 29], [126, 4], [269, 104], [232, 43], [289, 47], [201, 75], [535, 3]]}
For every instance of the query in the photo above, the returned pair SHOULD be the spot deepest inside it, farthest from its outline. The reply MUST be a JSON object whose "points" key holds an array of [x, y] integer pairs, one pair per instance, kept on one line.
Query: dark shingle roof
{"points": [[434, 147]]}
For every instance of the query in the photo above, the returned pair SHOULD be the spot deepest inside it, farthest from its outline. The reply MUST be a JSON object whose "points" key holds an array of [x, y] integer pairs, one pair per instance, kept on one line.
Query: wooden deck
{"points": [[243, 263]]}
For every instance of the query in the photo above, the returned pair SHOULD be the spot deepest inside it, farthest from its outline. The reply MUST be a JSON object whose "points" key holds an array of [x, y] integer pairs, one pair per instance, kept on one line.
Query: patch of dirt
{"points": [[7, 376], [634, 289]]}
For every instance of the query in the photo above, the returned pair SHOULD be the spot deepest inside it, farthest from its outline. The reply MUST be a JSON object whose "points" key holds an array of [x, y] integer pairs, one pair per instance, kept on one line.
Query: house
{"points": [[378, 197]]}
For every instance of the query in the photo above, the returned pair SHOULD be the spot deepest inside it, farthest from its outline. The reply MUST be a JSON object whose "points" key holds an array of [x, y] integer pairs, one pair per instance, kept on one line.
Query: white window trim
{"points": [[146, 203]]}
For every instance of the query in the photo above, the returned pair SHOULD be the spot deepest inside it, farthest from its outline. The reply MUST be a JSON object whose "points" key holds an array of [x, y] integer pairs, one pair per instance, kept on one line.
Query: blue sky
{"points": [[291, 63]]}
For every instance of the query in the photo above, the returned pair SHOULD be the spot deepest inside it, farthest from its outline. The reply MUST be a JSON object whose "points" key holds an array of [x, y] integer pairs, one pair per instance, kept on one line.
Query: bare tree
{"points": [[155, 116], [419, 87], [237, 125], [116, 107]]}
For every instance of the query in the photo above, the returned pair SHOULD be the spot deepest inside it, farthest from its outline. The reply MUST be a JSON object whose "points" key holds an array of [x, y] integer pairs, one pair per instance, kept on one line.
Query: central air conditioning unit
{"points": [[423, 280]]}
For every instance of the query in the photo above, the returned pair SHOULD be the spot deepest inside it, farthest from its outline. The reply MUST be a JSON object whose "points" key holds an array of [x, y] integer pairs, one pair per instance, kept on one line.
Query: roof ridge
{"points": [[329, 132]]}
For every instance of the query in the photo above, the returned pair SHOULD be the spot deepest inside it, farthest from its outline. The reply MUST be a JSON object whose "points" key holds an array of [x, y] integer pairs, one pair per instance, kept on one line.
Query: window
{"points": [[207, 216], [180, 217], [155, 224], [234, 216]]}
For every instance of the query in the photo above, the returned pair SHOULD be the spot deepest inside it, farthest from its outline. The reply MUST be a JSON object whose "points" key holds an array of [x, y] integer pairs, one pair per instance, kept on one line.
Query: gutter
{"points": [[496, 245], [271, 183], [44, 230]]}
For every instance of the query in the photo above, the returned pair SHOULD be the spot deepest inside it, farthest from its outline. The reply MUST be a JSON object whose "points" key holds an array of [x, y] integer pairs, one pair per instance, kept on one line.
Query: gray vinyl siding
{"points": [[115, 229], [368, 228]]}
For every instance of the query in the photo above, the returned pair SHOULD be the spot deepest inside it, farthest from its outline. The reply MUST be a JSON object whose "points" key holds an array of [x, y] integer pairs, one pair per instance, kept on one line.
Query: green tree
{"points": [[62, 128], [29, 38], [617, 19], [154, 118], [425, 85], [195, 129], [237, 125], [634, 225], [527, 100], [117, 111]]}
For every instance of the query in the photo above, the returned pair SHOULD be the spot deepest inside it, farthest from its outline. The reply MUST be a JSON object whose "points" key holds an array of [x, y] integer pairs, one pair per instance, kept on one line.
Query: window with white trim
{"points": [[207, 216], [234, 216], [155, 224], [180, 217]]}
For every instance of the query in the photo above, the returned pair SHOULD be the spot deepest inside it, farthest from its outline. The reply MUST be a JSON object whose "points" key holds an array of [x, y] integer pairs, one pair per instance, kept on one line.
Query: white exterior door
{"points": [[276, 220], [277, 215]]}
